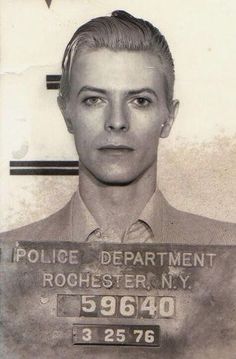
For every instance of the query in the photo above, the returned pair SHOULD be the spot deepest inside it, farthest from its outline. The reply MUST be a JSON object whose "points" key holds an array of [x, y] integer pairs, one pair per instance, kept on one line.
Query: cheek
{"points": [[83, 137], [85, 129], [151, 141], [86, 138], [149, 134], [87, 119], [149, 126]]}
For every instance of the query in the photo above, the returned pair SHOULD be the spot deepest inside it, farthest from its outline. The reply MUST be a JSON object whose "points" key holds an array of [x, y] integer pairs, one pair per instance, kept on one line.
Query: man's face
{"points": [[116, 110]]}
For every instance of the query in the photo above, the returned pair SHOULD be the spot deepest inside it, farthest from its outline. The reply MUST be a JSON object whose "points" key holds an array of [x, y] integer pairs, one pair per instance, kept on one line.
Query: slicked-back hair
{"points": [[118, 32]]}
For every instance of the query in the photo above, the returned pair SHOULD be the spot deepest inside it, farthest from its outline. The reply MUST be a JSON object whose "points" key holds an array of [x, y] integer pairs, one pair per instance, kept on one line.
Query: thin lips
{"points": [[116, 147]]}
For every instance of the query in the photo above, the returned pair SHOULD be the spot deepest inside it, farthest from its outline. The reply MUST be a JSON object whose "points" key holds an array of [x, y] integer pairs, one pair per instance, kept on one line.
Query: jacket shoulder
{"points": [[188, 228], [54, 227]]}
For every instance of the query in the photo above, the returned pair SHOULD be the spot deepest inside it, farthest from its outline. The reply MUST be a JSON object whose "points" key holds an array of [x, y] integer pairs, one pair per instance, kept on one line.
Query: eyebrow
{"points": [[145, 89], [129, 93], [91, 88]]}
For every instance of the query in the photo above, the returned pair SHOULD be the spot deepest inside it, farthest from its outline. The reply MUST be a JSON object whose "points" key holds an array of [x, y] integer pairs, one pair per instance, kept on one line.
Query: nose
{"points": [[117, 119]]}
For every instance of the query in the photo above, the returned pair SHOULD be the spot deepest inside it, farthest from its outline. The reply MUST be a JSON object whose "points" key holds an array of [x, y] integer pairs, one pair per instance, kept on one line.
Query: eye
{"points": [[92, 101], [142, 101]]}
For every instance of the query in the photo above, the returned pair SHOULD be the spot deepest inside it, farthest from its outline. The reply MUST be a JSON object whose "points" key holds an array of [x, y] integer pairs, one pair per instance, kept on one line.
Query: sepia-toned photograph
{"points": [[118, 167]]}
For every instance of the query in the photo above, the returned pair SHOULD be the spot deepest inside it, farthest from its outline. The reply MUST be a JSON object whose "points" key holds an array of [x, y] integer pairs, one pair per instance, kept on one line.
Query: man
{"points": [[116, 97]]}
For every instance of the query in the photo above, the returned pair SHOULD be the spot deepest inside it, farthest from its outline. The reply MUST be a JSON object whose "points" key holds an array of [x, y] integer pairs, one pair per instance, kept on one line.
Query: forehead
{"points": [[119, 70]]}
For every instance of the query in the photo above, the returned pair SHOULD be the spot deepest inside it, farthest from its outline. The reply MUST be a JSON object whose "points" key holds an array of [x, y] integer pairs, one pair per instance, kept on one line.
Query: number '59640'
{"points": [[127, 306]]}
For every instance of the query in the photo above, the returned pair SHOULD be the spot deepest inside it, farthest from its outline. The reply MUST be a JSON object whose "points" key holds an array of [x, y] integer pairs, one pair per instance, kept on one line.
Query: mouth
{"points": [[115, 149]]}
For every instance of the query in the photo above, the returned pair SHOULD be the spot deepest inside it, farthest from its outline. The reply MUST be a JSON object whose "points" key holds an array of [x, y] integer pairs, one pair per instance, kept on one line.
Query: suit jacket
{"points": [[172, 226]]}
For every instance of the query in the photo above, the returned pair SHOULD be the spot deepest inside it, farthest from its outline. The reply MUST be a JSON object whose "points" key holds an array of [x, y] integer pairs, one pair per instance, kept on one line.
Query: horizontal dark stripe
{"points": [[51, 78], [44, 163], [44, 172], [53, 86]]}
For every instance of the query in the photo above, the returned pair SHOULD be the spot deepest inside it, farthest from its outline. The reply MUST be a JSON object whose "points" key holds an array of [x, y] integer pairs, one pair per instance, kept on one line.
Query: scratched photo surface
{"points": [[140, 261]]}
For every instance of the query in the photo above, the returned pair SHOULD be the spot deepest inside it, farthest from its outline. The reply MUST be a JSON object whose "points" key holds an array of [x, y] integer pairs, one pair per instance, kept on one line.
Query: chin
{"points": [[115, 178]]}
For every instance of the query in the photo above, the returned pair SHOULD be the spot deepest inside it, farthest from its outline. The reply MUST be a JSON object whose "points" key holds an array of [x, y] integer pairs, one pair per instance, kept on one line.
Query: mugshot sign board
{"points": [[162, 301], [39, 163]]}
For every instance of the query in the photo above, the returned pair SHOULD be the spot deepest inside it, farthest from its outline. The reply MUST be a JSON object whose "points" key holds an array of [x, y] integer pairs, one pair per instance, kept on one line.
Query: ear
{"points": [[167, 125], [62, 105]]}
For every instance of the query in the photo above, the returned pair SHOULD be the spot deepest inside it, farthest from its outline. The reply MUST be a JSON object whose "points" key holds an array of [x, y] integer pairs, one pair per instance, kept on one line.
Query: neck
{"points": [[115, 207]]}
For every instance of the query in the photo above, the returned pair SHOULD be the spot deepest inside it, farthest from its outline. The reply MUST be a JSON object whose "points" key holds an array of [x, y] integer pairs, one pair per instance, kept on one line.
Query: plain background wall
{"points": [[197, 163]]}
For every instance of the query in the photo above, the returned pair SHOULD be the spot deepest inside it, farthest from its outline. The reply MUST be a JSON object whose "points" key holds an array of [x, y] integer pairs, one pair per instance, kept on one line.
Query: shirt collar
{"points": [[83, 223], [152, 214]]}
